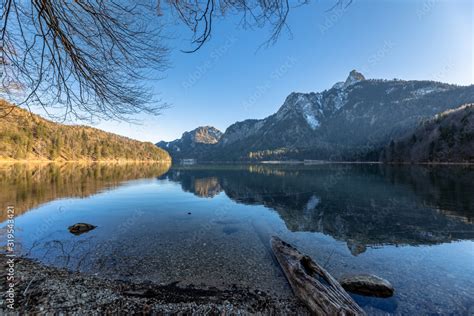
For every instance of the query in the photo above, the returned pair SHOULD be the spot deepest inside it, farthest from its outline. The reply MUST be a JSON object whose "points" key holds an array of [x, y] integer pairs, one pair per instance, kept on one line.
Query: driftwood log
{"points": [[313, 285]]}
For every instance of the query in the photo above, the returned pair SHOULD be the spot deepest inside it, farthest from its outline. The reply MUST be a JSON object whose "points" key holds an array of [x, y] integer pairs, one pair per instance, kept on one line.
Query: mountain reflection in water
{"points": [[211, 225], [363, 205]]}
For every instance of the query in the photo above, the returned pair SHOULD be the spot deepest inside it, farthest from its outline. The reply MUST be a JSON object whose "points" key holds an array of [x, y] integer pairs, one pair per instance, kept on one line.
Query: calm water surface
{"points": [[211, 225]]}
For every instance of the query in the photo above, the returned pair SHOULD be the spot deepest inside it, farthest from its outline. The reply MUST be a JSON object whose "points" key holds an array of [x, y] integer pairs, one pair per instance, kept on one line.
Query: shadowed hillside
{"points": [[448, 137], [26, 136]]}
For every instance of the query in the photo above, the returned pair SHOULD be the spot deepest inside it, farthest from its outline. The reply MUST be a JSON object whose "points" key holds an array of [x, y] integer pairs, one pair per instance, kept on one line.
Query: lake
{"points": [[211, 225]]}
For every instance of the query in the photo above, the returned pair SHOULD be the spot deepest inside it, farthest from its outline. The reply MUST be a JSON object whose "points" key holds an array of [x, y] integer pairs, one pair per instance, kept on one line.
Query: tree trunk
{"points": [[321, 293]]}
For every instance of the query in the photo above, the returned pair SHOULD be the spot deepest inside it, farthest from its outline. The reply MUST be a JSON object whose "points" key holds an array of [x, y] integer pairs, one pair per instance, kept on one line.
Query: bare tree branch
{"points": [[84, 57], [91, 58]]}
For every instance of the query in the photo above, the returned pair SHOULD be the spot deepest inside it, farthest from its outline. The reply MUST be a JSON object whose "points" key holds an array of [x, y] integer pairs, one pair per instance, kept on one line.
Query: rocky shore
{"points": [[49, 290]]}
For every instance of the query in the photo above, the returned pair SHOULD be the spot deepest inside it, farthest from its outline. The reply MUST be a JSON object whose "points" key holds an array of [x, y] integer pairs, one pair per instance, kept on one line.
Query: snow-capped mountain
{"points": [[354, 119], [300, 116]]}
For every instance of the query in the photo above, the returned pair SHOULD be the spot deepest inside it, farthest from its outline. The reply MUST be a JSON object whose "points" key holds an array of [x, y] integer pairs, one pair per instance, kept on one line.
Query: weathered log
{"points": [[313, 285]]}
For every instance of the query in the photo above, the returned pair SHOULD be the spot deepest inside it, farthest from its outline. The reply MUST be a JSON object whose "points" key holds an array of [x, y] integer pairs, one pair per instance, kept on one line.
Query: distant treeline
{"points": [[26, 136]]}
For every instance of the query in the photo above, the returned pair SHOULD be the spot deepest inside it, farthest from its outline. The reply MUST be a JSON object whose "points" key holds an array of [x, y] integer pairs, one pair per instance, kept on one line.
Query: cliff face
{"points": [[26, 136], [447, 137], [192, 143]]}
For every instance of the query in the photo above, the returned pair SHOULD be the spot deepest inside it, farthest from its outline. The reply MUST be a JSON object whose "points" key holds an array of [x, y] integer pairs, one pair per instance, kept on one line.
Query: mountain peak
{"points": [[192, 142], [204, 135], [354, 77]]}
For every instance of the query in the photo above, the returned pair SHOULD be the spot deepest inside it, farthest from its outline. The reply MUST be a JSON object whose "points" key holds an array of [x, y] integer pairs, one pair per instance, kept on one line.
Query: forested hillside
{"points": [[26, 136], [447, 137]]}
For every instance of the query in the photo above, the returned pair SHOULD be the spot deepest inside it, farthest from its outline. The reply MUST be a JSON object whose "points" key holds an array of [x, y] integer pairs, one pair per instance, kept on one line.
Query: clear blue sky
{"points": [[230, 79]]}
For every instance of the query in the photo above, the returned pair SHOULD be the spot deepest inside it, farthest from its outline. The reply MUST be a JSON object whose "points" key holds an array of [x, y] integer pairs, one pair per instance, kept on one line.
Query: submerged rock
{"points": [[229, 230], [355, 247], [80, 228], [367, 284]]}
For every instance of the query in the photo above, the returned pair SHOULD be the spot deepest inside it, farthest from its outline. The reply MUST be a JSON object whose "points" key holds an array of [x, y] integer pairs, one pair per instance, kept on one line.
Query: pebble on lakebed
{"points": [[367, 284], [80, 228]]}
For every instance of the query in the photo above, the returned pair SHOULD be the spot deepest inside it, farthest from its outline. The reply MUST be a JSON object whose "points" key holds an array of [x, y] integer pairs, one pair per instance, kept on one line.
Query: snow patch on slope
{"points": [[426, 90], [307, 109], [312, 203], [340, 99], [311, 120], [390, 90], [338, 85]]}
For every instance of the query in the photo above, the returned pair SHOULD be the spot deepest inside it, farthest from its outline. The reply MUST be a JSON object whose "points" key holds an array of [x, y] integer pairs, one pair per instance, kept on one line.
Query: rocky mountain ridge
{"points": [[193, 142], [353, 120]]}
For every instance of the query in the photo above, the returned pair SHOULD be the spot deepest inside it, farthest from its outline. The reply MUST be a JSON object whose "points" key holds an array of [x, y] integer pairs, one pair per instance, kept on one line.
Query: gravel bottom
{"points": [[48, 290]]}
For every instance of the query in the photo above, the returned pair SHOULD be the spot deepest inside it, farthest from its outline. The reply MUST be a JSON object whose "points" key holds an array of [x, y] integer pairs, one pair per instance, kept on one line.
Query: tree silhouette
{"points": [[90, 58]]}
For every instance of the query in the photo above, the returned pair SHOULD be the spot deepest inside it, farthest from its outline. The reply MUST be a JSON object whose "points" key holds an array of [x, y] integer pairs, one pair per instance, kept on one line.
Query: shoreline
{"points": [[44, 289], [118, 161], [325, 162], [263, 162]]}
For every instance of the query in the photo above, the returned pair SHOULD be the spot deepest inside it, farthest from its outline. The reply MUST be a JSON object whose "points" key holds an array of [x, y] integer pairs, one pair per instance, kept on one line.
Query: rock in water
{"points": [[367, 284], [80, 228]]}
